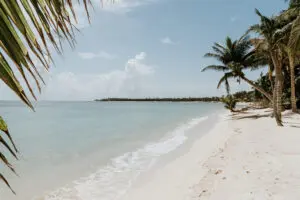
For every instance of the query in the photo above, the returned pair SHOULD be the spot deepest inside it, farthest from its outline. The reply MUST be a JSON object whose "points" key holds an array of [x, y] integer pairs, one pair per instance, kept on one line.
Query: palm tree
{"points": [[272, 33], [261, 49], [291, 17], [293, 3], [235, 57], [27, 28]]}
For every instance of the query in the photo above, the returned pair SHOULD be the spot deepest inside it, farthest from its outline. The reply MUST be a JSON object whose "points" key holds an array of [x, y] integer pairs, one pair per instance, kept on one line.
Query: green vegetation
{"points": [[276, 47], [27, 29], [236, 57], [229, 102]]}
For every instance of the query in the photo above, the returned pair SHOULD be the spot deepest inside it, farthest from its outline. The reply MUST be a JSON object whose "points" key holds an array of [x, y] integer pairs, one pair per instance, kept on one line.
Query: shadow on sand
{"points": [[288, 118]]}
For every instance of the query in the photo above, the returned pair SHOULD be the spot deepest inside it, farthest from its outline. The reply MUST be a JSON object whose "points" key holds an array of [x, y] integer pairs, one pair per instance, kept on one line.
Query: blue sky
{"points": [[142, 48]]}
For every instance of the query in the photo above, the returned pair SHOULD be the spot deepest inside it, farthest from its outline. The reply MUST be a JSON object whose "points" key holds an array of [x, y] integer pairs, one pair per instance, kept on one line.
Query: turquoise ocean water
{"points": [[95, 150]]}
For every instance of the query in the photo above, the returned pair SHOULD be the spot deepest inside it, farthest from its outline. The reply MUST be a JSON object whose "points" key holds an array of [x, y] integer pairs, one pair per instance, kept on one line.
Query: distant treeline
{"points": [[186, 99]]}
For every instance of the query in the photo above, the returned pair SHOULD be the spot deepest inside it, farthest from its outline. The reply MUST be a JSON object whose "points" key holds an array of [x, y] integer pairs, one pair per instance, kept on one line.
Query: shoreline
{"points": [[245, 156], [170, 181], [179, 136]]}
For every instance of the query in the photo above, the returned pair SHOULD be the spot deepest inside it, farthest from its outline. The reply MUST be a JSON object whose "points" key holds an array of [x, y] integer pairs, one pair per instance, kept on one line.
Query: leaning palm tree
{"points": [[271, 32], [27, 30], [235, 57]]}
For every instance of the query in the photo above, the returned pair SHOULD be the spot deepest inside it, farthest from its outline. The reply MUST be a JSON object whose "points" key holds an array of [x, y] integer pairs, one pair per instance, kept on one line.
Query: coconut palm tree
{"points": [[261, 49], [235, 57], [271, 32], [27, 30], [291, 17]]}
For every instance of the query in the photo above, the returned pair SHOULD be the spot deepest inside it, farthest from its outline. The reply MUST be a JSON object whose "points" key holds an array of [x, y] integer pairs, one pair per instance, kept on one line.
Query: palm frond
{"points": [[229, 42], [293, 3], [283, 33], [224, 80], [6, 182], [220, 46], [254, 28], [215, 68], [294, 40], [28, 28], [214, 55], [218, 50]]}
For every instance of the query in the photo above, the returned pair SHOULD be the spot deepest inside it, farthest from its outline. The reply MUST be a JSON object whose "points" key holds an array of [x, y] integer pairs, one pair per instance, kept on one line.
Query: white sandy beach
{"points": [[245, 156]]}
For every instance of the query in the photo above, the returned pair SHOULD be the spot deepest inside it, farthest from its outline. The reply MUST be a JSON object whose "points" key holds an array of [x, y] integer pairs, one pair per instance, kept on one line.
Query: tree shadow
{"points": [[255, 116], [292, 124]]}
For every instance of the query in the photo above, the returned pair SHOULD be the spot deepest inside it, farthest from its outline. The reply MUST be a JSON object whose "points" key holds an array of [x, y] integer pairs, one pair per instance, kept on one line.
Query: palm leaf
{"points": [[215, 68], [220, 46], [295, 35], [6, 182], [217, 56], [27, 30], [224, 80], [23, 39]]}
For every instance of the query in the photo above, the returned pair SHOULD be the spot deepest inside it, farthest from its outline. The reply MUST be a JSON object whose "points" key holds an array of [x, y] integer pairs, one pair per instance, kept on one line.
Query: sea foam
{"points": [[111, 182]]}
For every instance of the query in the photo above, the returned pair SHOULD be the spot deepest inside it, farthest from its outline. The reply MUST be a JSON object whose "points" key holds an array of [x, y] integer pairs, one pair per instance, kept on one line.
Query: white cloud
{"points": [[123, 6], [127, 82], [101, 54], [112, 6], [168, 40]]}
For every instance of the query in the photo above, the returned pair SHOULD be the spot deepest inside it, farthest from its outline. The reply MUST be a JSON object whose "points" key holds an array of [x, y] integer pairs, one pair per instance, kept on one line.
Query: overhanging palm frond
{"points": [[2, 178], [28, 28], [13, 151]]}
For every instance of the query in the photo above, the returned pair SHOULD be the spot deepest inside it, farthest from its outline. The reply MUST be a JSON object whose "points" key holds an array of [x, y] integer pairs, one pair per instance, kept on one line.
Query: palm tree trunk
{"points": [[293, 89], [261, 90], [277, 89], [270, 75], [279, 92]]}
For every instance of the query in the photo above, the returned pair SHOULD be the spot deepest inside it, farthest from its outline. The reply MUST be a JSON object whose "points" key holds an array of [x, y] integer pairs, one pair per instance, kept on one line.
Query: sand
{"points": [[245, 156]]}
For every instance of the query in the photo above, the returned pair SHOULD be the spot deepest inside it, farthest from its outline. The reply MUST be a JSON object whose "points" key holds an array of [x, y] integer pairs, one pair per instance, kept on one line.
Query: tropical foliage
{"points": [[235, 57], [229, 102], [28, 31], [277, 46]]}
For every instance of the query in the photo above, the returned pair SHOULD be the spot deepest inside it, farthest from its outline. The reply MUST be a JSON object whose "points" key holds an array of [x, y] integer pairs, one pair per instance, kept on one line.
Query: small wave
{"points": [[112, 181]]}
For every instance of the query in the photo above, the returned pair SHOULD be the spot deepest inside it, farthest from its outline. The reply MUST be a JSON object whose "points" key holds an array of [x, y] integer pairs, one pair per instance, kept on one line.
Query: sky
{"points": [[149, 48]]}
